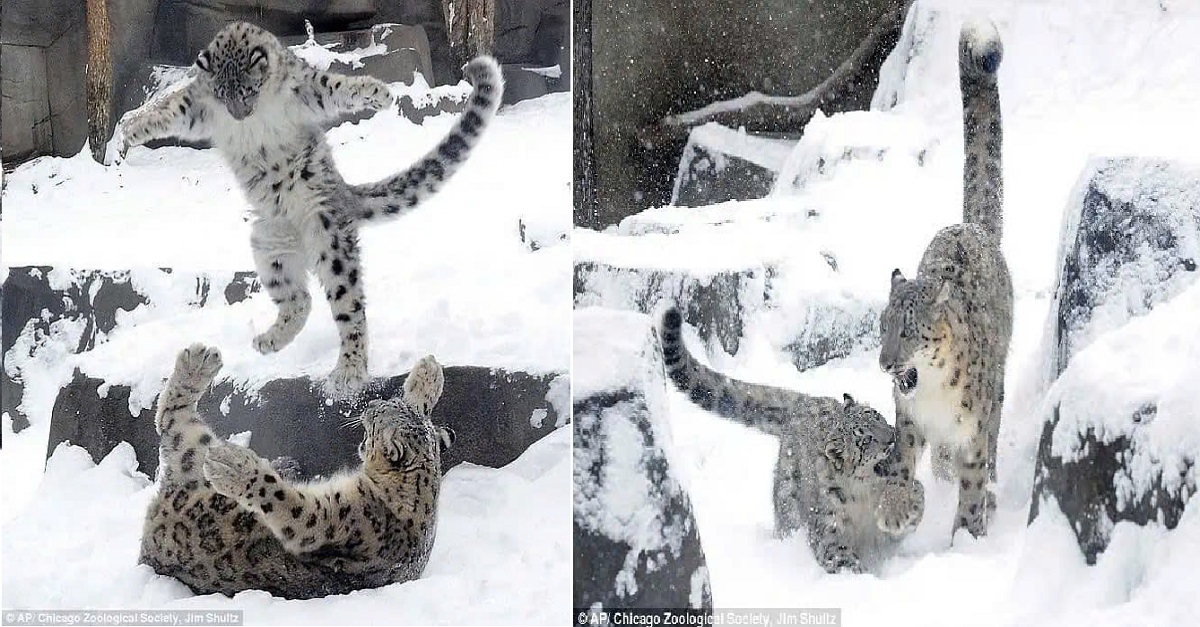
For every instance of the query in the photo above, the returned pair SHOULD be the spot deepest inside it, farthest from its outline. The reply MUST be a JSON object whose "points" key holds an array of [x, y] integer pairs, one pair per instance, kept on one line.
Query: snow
{"points": [[452, 278], [499, 556], [868, 190]]}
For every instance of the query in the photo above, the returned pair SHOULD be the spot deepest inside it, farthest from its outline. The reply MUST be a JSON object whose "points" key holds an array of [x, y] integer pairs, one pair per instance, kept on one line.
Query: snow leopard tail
{"points": [[401, 192], [979, 55], [768, 409]]}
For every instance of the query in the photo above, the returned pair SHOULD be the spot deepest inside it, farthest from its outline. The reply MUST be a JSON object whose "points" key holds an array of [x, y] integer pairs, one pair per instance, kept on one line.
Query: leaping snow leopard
{"points": [[836, 472], [945, 334], [262, 107]]}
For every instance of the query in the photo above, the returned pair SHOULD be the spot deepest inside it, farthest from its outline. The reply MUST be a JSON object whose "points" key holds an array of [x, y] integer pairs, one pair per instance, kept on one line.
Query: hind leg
{"points": [[281, 271], [423, 386], [184, 436], [339, 269]]}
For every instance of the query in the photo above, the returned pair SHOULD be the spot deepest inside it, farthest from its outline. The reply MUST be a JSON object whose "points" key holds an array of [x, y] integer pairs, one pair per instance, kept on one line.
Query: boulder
{"points": [[713, 303], [636, 541], [38, 297], [496, 415], [1130, 248], [720, 164]]}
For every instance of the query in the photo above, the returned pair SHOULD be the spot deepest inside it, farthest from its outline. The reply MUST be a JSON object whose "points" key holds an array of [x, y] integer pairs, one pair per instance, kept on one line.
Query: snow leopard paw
{"points": [[900, 508], [232, 470], [346, 381]]}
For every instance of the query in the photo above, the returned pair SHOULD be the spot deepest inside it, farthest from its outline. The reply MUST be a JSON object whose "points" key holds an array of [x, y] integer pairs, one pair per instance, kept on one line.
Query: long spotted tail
{"points": [[768, 409], [402, 192], [979, 55]]}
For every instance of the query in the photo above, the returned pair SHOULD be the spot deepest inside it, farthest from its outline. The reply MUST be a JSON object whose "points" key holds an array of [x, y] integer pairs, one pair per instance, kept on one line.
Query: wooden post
{"points": [[471, 28], [99, 78]]}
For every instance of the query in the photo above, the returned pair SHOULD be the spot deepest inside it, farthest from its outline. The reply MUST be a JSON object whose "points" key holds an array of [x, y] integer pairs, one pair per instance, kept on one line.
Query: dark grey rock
{"points": [[720, 164], [714, 305], [408, 51], [1129, 218], [834, 331], [648, 566], [496, 415], [25, 125]]}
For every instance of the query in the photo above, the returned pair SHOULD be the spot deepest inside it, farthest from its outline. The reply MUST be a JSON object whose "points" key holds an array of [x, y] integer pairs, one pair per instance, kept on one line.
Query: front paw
{"points": [[836, 558], [196, 365], [232, 470], [900, 508]]}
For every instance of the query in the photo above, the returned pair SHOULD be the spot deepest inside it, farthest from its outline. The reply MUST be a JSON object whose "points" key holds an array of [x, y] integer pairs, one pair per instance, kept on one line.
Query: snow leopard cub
{"points": [[262, 107], [836, 475]]}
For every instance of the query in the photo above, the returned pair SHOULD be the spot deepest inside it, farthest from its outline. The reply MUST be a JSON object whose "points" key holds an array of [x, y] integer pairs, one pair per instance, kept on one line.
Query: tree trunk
{"points": [[99, 78], [471, 28]]}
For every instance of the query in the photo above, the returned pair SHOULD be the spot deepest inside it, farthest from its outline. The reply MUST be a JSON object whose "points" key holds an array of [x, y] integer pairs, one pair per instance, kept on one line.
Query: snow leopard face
{"points": [[398, 437], [914, 319], [237, 67], [859, 441]]}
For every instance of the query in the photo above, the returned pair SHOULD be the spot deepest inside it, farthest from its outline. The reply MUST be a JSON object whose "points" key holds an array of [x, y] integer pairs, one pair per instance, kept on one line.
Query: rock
{"points": [[37, 297], [25, 122], [714, 304], [496, 415], [720, 164], [623, 473], [1131, 245], [183, 27]]}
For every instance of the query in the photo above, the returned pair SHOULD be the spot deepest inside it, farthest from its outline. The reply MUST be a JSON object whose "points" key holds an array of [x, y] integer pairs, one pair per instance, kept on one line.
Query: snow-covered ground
{"points": [[453, 278], [1079, 77]]}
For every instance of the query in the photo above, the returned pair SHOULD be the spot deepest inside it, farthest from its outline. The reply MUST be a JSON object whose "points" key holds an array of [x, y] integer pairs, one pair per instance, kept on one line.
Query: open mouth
{"points": [[906, 381]]}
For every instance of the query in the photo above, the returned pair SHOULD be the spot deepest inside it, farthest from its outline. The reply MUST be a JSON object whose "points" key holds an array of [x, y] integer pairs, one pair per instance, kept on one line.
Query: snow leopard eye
{"points": [[202, 61], [257, 55]]}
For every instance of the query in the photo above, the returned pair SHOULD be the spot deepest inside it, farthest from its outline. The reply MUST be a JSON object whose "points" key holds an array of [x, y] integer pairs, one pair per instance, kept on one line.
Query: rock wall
{"points": [[43, 52], [653, 58]]}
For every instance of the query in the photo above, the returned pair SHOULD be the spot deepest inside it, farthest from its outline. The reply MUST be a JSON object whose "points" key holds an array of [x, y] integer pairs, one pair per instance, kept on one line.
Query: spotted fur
{"points": [[263, 107], [224, 520], [945, 334], [836, 473]]}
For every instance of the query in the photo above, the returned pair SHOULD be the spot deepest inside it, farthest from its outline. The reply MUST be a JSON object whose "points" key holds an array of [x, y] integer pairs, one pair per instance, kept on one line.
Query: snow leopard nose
{"points": [[238, 109]]}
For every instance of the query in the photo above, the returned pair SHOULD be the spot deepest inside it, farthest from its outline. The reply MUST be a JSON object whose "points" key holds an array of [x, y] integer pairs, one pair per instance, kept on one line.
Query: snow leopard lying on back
{"points": [[835, 473], [224, 520], [262, 107]]}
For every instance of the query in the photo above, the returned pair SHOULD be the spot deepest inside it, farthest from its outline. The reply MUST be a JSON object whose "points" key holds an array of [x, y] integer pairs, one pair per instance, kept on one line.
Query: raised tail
{"points": [[768, 409], [401, 192], [979, 55]]}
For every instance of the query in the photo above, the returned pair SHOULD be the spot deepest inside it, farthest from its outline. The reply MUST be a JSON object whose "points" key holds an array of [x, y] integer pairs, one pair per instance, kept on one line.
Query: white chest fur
{"points": [[936, 406]]}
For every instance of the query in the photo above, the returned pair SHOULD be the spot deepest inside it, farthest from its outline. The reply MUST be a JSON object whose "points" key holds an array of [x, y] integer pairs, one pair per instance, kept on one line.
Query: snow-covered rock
{"points": [[75, 309], [636, 541], [495, 414], [1123, 433], [719, 164]]}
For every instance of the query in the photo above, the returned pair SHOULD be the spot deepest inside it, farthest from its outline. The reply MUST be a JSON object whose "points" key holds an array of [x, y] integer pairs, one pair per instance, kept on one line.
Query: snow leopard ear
{"points": [[897, 278], [849, 400], [257, 55], [836, 455], [203, 61], [394, 452], [446, 437]]}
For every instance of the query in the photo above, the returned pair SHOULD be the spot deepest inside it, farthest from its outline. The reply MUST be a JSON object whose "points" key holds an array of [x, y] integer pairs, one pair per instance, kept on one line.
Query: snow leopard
{"points": [[224, 520], [836, 472], [262, 107], [945, 333]]}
